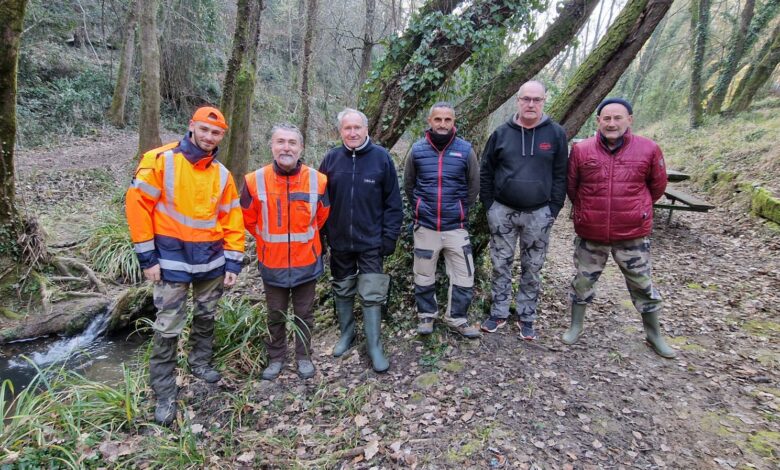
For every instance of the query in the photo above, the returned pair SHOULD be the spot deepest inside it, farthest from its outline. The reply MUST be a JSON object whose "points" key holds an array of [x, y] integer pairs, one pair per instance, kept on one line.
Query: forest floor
{"points": [[497, 402]]}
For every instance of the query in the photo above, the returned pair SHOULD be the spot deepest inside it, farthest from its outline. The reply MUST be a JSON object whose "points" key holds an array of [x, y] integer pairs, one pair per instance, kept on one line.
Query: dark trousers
{"points": [[278, 299], [347, 263]]}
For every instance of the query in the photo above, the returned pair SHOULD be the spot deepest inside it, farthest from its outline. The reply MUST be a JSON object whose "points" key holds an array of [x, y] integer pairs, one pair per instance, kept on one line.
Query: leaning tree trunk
{"points": [[596, 77], [758, 75], [149, 119], [239, 88], [12, 12], [392, 102], [308, 38], [729, 65], [116, 113], [499, 88], [700, 22]]}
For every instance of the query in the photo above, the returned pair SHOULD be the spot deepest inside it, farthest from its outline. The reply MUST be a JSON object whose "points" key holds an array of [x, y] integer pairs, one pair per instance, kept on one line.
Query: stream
{"points": [[91, 353]]}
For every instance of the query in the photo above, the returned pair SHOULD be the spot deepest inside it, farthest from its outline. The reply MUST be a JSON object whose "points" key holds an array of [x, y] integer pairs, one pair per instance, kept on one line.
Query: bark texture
{"points": [[308, 38], [758, 74], [368, 42], [12, 13], [700, 20], [116, 113], [596, 77], [149, 124]]}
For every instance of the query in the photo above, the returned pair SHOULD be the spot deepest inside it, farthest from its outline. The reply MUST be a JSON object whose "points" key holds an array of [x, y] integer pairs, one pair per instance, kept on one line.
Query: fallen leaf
{"points": [[196, 428], [371, 449], [596, 444], [360, 421], [467, 416], [246, 457]]}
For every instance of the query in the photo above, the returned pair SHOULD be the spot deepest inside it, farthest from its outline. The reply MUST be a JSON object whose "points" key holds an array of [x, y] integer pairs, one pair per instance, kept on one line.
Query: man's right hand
{"points": [[153, 273]]}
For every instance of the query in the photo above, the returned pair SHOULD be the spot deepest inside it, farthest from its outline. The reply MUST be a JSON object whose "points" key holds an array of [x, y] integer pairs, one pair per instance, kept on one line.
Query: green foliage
{"points": [[60, 93], [110, 249], [239, 334]]}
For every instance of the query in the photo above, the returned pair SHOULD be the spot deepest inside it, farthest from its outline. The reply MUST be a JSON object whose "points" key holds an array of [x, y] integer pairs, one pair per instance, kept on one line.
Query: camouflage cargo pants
{"points": [[633, 259], [532, 229], [170, 298]]}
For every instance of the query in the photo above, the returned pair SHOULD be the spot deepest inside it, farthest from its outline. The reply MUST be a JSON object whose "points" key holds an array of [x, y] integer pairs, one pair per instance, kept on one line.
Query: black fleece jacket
{"points": [[525, 169]]}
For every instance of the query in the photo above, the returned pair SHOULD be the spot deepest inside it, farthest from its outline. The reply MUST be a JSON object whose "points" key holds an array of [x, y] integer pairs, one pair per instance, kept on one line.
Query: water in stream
{"points": [[91, 353]]}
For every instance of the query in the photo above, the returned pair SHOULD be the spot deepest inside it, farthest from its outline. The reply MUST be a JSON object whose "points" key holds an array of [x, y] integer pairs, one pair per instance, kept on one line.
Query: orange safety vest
{"points": [[285, 217], [185, 217]]}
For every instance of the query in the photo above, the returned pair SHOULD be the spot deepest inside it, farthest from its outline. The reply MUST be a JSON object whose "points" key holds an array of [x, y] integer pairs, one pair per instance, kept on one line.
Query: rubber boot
{"points": [[372, 324], [572, 335], [162, 363], [344, 302], [654, 337], [201, 348], [373, 289]]}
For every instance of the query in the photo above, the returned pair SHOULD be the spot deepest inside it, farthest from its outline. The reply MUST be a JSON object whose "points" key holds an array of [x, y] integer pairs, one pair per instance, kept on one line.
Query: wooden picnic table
{"points": [[675, 176], [687, 202]]}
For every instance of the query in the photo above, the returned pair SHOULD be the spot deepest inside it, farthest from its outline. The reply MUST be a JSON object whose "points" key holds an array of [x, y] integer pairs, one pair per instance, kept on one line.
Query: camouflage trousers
{"points": [[633, 259], [170, 298], [532, 230]]}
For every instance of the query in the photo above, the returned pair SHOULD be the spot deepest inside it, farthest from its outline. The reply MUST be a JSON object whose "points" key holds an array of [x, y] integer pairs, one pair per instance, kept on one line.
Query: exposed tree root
{"points": [[76, 264]]}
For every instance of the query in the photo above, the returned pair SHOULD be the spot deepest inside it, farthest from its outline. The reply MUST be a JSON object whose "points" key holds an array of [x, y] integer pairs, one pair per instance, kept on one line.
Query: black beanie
{"points": [[615, 100]]}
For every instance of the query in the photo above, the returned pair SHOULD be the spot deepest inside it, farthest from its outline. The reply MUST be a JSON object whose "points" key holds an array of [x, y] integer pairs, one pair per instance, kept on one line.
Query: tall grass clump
{"points": [[61, 415], [110, 249], [239, 335]]}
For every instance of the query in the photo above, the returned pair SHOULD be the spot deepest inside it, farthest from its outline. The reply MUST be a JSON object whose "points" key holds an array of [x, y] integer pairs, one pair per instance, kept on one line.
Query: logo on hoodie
{"points": [[545, 146]]}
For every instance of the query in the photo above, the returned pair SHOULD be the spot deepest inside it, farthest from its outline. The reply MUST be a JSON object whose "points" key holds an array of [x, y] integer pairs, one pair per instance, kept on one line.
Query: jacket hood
{"points": [[514, 125]]}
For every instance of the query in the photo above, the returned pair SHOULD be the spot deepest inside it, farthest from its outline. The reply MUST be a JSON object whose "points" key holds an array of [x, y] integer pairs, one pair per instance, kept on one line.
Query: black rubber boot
{"points": [[162, 363], [373, 288], [201, 348], [572, 335], [654, 337]]}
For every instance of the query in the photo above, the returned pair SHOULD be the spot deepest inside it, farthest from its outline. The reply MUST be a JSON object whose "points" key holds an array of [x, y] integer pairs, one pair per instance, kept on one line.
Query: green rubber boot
{"points": [[344, 291], [654, 337], [572, 335], [372, 288]]}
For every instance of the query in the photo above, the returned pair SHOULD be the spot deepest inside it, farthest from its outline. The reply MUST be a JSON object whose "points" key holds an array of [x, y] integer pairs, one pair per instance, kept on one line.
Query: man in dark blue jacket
{"points": [[363, 227], [523, 187], [441, 181]]}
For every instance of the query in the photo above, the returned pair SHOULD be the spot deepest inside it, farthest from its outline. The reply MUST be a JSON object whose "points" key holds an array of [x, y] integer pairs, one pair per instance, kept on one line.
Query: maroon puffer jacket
{"points": [[613, 195]]}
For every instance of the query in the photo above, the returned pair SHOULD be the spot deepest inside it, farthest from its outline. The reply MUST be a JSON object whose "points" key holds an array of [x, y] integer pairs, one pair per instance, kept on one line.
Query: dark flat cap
{"points": [[614, 100]]}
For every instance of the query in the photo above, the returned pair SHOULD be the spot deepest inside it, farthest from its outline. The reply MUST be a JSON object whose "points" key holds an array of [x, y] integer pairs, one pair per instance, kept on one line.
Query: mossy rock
{"points": [[762, 328], [454, 366], [427, 380], [765, 443], [765, 205]]}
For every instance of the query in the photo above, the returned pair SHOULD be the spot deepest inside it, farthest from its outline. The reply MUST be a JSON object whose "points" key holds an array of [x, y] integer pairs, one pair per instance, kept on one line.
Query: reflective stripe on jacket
{"points": [[185, 216], [285, 216]]}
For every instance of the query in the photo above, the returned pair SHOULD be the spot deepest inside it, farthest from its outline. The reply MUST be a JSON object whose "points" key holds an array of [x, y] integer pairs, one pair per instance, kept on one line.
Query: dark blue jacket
{"points": [[365, 200], [440, 195]]}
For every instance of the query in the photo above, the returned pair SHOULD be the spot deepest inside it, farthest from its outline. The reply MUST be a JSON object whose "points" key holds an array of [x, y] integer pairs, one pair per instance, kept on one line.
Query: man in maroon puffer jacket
{"points": [[613, 180]]}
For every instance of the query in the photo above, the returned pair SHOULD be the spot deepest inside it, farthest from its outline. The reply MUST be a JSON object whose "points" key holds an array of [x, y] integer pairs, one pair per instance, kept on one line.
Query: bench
{"points": [[687, 203]]}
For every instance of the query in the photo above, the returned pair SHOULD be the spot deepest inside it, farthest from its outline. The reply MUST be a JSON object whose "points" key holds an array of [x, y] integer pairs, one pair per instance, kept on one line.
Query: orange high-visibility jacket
{"points": [[185, 216], [285, 215]]}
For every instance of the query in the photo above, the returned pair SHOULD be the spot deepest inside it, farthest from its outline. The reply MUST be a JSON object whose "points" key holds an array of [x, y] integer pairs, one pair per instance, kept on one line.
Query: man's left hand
{"points": [[230, 279]]}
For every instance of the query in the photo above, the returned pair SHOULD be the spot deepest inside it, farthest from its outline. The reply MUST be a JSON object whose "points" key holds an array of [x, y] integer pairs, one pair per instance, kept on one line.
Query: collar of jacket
{"points": [[193, 153], [513, 122], [440, 141], [281, 172], [621, 142], [363, 148]]}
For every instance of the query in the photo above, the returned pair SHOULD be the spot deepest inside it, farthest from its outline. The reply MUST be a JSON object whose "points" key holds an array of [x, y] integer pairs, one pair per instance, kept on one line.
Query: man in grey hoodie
{"points": [[523, 187]]}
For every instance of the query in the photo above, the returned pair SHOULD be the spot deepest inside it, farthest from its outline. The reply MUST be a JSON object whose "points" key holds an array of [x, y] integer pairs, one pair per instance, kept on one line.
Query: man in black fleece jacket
{"points": [[363, 227], [523, 187]]}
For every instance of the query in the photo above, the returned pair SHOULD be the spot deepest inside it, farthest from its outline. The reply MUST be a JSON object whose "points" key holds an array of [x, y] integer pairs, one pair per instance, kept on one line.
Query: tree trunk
{"points": [[149, 119], [700, 21], [482, 102], [116, 113], [391, 101], [596, 76], [12, 13], [758, 75], [239, 88], [308, 38], [368, 43], [729, 65], [647, 61]]}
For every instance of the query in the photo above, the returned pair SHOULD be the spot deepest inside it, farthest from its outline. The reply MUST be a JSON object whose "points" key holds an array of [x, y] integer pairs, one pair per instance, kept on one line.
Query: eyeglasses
{"points": [[528, 100]]}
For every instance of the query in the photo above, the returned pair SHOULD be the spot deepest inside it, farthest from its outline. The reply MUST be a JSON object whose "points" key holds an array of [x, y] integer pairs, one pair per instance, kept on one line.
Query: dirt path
{"points": [[607, 402]]}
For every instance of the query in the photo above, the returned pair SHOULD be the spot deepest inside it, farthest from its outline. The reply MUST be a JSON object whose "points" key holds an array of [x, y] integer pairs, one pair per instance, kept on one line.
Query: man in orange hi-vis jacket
{"points": [[285, 204], [185, 221]]}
